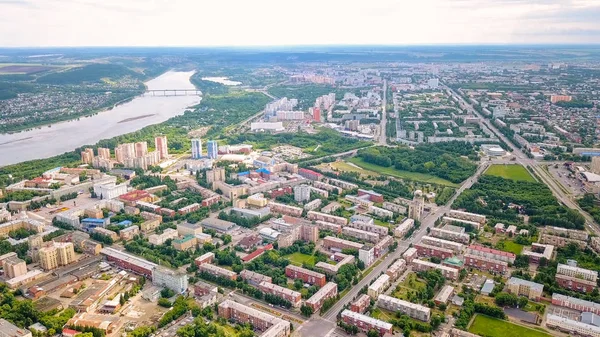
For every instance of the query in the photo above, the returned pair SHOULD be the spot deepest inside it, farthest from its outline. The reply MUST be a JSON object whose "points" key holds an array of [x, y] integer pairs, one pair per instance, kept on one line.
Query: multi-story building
{"points": [[379, 286], [360, 234], [270, 326], [433, 251], [57, 254], [571, 326], [188, 242], [307, 276], [329, 290], [361, 304], [129, 262], [373, 196], [445, 234], [196, 148], [337, 244], [160, 144], [216, 174], [285, 209], [14, 267], [485, 264], [108, 233], [396, 269], [410, 254], [292, 296], [413, 310], [159, 239], [451, 245], [212, 149], [217, 271], [366, 323], [489, 253], [560, 241], [318, 216], [569, 233], [301, 193], [467, 216], [369, 227], [309, 232], [254, 278], [29, 224], [525, 288], [382, 246], [575, 278], [537, 251], [444, 295], [402, 229], [109, 190], [310, 174], [204, 258], [575, 303], [324, 225], [447, 272], [170, 278]]}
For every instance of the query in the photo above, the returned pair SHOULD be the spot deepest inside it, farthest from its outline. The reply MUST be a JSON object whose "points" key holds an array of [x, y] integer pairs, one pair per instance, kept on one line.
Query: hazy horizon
{"points": [[186, 23]]}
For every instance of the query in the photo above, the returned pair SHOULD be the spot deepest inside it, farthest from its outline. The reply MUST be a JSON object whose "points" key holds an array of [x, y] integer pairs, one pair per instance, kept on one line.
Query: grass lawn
{"points": [[382, 314], [510, 246], [345, 167], [511, 171], [493, 327], [298, 259], [416, 176], [411, 283]]}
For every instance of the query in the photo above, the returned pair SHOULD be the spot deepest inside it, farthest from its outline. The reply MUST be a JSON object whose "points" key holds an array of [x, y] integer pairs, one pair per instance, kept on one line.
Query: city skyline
{"points": [[30, 23]]}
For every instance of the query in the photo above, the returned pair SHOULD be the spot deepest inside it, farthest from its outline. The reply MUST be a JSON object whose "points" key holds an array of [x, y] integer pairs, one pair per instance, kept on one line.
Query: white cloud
{"points": [[281, 22]]}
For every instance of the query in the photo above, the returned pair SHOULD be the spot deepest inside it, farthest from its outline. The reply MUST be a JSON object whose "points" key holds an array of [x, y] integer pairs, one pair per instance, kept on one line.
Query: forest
{"points": [[505, 200], [442, 160]]}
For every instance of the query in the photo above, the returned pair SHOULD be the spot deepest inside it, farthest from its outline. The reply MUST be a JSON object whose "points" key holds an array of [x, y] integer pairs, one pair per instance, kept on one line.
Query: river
{"points": [[125, 118]]}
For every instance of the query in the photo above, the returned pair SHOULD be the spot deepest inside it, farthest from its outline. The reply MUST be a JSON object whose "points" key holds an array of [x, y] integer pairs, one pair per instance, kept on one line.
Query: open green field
{"points": [[416, 176], [511, 171], [493, 327], [510, 246], [345, 167], [298, 259]]}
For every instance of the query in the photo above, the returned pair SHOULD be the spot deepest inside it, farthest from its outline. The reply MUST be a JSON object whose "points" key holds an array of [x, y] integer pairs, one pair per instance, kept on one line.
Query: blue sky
{"points": [[292, 22]]}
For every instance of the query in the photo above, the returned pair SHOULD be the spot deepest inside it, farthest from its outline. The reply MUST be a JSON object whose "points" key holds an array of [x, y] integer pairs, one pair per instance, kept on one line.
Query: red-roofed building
{"points": [[70, 332], [256, 253], [281, 191], [310, 174], [211, 200], [134, 196]]}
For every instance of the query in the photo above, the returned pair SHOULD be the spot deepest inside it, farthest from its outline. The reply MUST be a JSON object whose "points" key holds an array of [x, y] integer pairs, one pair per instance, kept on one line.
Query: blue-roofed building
{"points": [[488, 287], [88, 224], [125, 223], [590, 318], [245, 173]]}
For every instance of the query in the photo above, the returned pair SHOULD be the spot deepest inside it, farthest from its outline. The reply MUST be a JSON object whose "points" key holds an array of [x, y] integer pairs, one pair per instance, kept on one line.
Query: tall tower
{"points": [[141, 149], [212, 149], [196, 148], [160, 143]]}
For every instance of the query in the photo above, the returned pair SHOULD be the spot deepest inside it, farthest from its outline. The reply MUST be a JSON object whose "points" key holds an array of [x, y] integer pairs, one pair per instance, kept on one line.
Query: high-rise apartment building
{"points": [[160, 143], [104, 153], [141, 149], [87, 156], [301, 193], [57, 254], [196, 148], [212, 149]]}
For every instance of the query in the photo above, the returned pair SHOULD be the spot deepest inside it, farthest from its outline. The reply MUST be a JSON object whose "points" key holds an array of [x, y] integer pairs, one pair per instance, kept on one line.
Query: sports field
{"points": [[298, 259], [416, 176], [511, 171], [493, 327]]}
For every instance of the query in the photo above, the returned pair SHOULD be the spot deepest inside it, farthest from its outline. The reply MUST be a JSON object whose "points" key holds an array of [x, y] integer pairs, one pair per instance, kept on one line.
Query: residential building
{"points": [[129, 233], [108, 233], [571, 326], [212, 149], [366, 323], [302, 193], [312, 215], [310, 174], [360, 234], [373, 196], [444, 295], [160, 144], [14, 267], [367, 255], [217, 271], [560, 241], [361, 304], [196, 148], [205, 258], [412, 310], [525, 288], [216, 174], [575, 303], [170, 278], [451, 245], [538, 251], [396, 269], [336, 244], [188, 242], [369, 227], [307, 276], [159, 239], [410, 254], [7, 329], [292, 296], [329, 290], [57, 254], [379, 286], [254, 278], [402, 229], [447, 272], [445, 234], [485, 264], [432, 251], [187, 228], [575, 278], [285, 209], [467, 216], [489, 253], [271, 326]]}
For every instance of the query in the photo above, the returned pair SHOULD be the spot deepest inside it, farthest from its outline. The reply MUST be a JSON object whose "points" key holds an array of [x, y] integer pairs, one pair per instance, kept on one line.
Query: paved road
{"points": [[382, 130], [522, 159]]}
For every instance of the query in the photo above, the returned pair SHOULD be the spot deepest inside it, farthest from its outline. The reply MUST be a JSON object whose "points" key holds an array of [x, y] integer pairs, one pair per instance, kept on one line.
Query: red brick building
{"points": [[485, 264], [307, 276], [362, 303], [366, 323], [373, 196], [427, 250]]}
